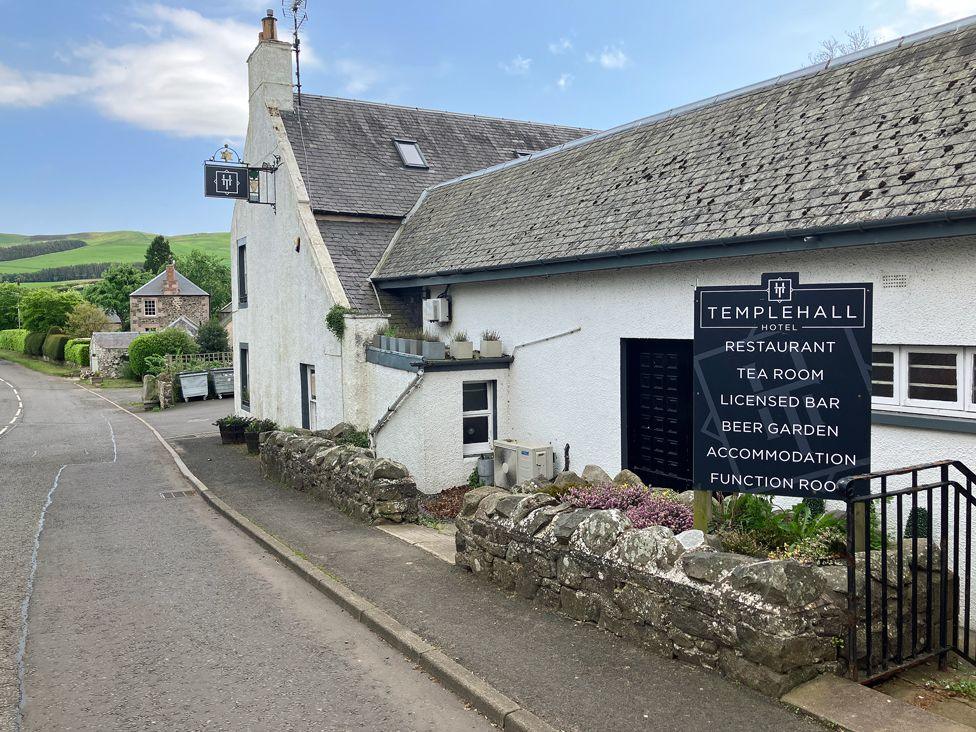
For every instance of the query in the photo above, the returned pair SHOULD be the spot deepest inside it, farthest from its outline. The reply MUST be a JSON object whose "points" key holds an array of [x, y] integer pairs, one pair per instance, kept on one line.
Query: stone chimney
{"points": [[171, 286], [269, 70]]}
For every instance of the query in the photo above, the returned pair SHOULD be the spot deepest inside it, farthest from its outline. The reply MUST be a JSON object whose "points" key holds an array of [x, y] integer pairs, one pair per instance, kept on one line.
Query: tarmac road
{"points": [[151, 612]]}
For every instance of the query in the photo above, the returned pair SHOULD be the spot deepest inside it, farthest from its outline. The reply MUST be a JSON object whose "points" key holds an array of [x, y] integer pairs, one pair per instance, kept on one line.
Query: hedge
{"points": [[34, 343], [13, 340], [77, 350], [54, 345], [163, 342]]}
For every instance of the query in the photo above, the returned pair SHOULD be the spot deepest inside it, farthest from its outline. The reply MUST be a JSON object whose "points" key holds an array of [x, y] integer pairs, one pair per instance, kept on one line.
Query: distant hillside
{"points": [[106, 246]]}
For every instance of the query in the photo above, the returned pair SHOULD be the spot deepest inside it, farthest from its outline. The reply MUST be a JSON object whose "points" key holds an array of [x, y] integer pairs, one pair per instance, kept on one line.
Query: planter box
{"points": [[399, 345], [462, 349], [432, 350], [231, 435], [385, 343], [491, 349], [253, 442], [194, 384], [375, 342], [223, 382], [413, 346]]}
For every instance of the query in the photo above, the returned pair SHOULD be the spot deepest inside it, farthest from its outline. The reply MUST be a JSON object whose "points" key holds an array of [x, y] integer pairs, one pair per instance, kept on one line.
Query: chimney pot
{"points": [[171, 286], [269, 27]]}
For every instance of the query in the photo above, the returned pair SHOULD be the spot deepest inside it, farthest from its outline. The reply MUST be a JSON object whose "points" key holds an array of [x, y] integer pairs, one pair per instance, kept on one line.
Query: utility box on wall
{"points": [[437, 310], [516, 462]]}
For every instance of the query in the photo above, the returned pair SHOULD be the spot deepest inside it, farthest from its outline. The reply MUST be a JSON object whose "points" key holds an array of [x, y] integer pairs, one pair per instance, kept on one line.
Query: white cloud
{"points": [[943, 9], [564, 82], [611, 57], [18, 89], [561, 46], [518, 66], [916, 15], [356, 76]]}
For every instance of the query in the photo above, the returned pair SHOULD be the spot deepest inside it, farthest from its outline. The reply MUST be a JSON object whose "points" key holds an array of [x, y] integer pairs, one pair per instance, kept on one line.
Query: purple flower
{"points": [[643, 507]]}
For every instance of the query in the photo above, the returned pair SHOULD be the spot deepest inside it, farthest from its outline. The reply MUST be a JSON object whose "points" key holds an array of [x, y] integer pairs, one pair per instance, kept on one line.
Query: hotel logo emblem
{"points": [[780, 290]]}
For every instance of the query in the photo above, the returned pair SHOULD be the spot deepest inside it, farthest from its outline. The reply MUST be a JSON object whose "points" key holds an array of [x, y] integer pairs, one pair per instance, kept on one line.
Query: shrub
{"points": [[13, 340], [643, 507], [83, 354], [261, 425], [335, 320], [824, 545], [164, 342], [474, 480], [211, 337], [917, 524], [43, 309], [53, 348], [233, 422], [86, 319], [359, 438], [816, 505], [34, 343], [155, 364], [743, 542], [72, 348]]}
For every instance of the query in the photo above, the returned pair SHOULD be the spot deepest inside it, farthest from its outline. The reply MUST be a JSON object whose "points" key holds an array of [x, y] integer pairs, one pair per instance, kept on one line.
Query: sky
{"points": [[109, 107]]}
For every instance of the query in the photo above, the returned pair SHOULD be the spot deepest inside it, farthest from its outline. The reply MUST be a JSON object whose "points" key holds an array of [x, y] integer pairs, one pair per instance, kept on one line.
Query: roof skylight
{"points": [[410, 154]]}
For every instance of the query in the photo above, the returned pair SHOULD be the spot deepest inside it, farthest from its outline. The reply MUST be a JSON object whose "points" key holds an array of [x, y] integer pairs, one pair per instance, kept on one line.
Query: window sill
{"points": [[246, 406], [923, 421]]}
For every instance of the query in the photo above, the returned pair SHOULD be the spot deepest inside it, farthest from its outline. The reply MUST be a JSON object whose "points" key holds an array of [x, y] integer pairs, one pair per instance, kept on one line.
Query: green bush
{"points": [[13, 340], [43, 308], [358, 438], [34, 343], [161, 343], [212, 337], [71, 348], [82, 354], [335, 320], [53, 348]]}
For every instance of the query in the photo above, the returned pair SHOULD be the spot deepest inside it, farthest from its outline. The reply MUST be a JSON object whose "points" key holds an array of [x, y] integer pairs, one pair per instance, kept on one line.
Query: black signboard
{"points": [[782, 386], [221, 180]]}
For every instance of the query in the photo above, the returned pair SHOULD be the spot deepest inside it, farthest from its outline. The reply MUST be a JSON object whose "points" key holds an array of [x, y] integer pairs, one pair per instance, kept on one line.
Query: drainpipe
{"points": [[411, 388], [577, 329]]}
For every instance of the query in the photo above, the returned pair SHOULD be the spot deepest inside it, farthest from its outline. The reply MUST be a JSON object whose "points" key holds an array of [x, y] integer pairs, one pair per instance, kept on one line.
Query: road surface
{"points": [[121, 609]]}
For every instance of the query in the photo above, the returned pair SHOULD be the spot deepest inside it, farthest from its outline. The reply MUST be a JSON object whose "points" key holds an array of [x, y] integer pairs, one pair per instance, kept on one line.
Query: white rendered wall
{"points": [[425, 433], [567, 390]]}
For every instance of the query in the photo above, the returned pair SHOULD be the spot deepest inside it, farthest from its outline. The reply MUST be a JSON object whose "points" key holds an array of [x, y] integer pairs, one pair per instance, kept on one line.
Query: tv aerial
{"points": [[296, 10]]}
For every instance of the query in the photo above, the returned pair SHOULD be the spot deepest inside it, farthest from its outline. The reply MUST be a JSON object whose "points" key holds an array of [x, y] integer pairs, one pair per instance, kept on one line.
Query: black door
{"points": [[657, 410]]}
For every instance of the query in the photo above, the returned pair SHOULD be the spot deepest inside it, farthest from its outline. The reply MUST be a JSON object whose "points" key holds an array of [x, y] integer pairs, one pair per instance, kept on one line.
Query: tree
{"points": [[10, 295], [211, 337], [86, 319], [161, 343], [857, 40], [111, 293], [207, 272], [158, 254], [43, 309]]}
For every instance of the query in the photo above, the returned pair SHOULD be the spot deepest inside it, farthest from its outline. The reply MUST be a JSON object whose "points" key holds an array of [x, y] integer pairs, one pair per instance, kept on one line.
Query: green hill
{"points": [[110, 246]]}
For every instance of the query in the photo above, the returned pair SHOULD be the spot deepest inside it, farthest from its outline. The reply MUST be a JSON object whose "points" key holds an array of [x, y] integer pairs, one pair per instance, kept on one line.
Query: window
{"points": [[522, 153], [148, 307], [245, 378], [477, 416], [242, 272], [410, 154], [924, 378]]}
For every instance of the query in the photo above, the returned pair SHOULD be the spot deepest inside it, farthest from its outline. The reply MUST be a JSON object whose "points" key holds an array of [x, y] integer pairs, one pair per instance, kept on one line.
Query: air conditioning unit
{"points": [[437, 310], [516, 462]]}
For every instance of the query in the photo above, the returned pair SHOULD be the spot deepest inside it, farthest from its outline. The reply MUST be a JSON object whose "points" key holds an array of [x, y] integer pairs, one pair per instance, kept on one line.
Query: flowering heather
{"points": [[643, 507]]}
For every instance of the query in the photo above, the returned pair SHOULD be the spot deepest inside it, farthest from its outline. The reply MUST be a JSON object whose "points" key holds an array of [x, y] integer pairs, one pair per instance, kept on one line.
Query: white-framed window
{"points": [[149, 306], [933, 379], [477, 416]]}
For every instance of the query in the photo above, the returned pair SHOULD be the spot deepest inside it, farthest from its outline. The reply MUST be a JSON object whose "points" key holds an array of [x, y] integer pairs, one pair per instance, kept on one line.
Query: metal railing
{"points": [[901, 620]]}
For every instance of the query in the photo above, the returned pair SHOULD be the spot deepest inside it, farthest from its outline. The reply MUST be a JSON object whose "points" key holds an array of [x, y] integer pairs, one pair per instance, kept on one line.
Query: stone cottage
{"points": [[168, 300], [110, 352]]}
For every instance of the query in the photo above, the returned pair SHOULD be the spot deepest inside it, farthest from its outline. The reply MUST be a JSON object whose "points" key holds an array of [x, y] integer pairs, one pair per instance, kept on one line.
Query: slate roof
{"points": [[346, 154], [871, 137], [356, 247], [114, 339], [155, 286]]}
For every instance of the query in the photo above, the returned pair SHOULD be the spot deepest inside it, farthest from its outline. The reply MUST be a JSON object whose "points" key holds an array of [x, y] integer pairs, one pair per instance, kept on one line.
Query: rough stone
{"points": [[782, 582], [563, 525], [626, 477], [474, 497], [489, 502], [580, 605], [712, 566], [697, 540], [532, 485], [598, 533], [595, 475], [638, 604], [340, 430], [567, 478], [654, 547], [508, 505], [384, 468], [782, 652], [530, 504]]}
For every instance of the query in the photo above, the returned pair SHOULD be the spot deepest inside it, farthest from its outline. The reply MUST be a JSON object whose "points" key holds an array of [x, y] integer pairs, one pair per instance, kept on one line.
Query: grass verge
{"points": [[37, 364], [118, 384]]}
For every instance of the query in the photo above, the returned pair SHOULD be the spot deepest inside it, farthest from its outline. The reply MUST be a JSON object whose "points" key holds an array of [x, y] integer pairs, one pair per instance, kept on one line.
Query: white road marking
{"points": [[20, 407]]}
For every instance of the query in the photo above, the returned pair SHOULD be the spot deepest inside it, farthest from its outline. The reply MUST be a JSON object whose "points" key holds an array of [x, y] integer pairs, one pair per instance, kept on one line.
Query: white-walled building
{"points": [[585, 258]]}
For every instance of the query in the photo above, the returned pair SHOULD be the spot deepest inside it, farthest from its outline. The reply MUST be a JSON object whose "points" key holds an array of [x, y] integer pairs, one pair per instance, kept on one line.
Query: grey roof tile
{"points": [[356, 248], [155, 286], [346, 154], [864, 141]]}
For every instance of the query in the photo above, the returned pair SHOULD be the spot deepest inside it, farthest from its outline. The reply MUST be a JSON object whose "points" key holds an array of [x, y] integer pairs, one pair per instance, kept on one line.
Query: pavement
{"points": [[122, 609], [572, 675]]}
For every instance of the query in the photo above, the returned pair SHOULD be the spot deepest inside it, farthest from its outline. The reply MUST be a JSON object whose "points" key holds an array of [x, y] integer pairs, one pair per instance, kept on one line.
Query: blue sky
{"points": [[108, 108]]}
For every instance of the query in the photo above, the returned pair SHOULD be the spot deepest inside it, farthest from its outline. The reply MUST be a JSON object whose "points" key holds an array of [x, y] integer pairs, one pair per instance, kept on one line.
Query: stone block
{"points": [[781, 582], [579, 605], [565, 524], [384, 469], [595, 475], [712, 566], [474, 497], [598, 533], [654, 547], [531, 503], [626, 477]]}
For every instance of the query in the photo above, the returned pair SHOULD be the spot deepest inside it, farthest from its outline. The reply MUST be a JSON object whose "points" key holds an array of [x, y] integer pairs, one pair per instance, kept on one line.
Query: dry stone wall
{"points": [[375, 490], [769, 624]]}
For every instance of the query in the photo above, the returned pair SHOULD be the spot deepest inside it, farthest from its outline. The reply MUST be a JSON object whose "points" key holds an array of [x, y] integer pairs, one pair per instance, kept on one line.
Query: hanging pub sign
{"points": [[782, 386], [221, 180]]}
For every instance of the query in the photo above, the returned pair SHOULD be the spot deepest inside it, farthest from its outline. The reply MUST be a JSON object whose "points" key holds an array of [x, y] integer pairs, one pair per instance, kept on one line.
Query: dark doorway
{"points": [[656, 406], [309, 397]]}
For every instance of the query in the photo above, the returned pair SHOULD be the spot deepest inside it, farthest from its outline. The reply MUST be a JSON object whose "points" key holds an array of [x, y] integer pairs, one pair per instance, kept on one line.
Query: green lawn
{"points": [[120, 384], [38, 364], [113, 246]]}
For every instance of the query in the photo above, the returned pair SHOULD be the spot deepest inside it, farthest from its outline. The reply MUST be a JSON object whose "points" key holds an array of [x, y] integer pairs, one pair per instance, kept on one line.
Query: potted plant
{"points": [[232, 429], [252, 433], [432, 348], [411, 344], [388, 338], [461, 347], [377, 340], [96, 378], [491, 344]]}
